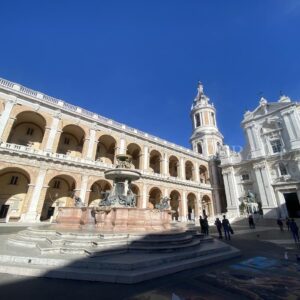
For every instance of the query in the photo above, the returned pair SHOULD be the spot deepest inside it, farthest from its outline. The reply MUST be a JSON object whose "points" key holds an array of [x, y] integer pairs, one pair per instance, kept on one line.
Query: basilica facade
{"points": [[52, 151], [265, 176]]}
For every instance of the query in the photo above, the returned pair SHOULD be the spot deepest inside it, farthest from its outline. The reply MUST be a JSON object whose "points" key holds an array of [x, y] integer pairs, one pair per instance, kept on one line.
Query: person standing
{"points": [[206, 226], [226, 227], [219, 227], [294, 230], [280, 224], [201, 220], [251, 222]]}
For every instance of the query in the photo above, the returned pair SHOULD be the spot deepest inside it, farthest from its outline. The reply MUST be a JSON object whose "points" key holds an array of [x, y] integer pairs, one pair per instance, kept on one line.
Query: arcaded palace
{"points": [[265, 176], [52, 151]]}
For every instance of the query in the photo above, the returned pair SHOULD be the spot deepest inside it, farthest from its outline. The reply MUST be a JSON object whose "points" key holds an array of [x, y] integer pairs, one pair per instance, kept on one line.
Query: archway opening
{"points": [[203, 174], [135, 189], [173, 166], [60, 193], [13, 191], [155, 196], [135, 151], [106, 149], [98, 191], [206, 206], [28, 130], [189, 171], [71, 141], [174, 204], [155, 161], [191, 204]]}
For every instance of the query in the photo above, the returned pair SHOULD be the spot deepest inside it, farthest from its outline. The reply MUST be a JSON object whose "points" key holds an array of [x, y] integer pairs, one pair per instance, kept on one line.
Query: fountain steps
{"points": [[76, 243], [122, 268]]}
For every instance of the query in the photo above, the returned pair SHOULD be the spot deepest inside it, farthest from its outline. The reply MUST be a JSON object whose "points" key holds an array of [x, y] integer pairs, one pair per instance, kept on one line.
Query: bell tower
{"points": [[206, 138]]}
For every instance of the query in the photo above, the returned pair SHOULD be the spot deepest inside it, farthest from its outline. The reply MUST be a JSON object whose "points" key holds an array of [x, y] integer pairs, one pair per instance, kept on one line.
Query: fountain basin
{"points": [[125, 174], [115, 219]]}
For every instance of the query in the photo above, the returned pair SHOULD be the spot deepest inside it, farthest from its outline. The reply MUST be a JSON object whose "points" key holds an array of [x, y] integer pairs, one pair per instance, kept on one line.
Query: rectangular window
{"points": [[29, 131], [282, 169], [276, 146], [14, 180], [245, 177], [56, 184], [67, 141]]}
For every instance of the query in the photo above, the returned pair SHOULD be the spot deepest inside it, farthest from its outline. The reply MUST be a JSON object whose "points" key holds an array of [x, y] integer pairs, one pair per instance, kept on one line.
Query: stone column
{"points": [[265, 188], [52, 134], [32, 212], [91, 144], [165, 170], [122, 146], [5, 116], [83, 187], [197, 175], [166, 192], [146, 158], [182, 168], [231, 192], [197, 208], [87, 197], [184, 207], [144, 197], [8, 129]]}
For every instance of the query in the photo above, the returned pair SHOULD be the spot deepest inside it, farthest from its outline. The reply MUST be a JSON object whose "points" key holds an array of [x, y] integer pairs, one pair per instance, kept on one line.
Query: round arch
{"points": [[106, 149], [175, 199], [155, 159], [189, 170], [135, 151], [136, 190], [203, 174], [97, 192], [191, 206], [60, 193], [71, 140], [207, 206], [28, 129], [13, 192], [173, 166], [155, 196]]}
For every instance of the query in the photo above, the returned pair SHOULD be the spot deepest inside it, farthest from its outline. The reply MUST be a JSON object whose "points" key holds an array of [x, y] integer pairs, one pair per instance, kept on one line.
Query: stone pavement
{"points": [[261, 273]]}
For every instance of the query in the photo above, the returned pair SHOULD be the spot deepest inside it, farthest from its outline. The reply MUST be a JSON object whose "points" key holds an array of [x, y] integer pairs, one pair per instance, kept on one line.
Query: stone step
{"points": [[161, 248], [121, 276]]}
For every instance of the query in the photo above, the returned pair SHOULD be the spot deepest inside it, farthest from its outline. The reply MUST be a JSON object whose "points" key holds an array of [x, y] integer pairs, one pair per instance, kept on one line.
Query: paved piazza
{"points": [[262, 272]]}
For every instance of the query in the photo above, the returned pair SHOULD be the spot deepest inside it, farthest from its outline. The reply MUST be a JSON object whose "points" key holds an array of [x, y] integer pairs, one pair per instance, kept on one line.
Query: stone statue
{"points": [[164, 203], [78, 202]]}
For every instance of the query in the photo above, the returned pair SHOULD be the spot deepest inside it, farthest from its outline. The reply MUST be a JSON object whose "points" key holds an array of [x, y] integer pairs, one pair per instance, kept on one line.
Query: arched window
{"points": [[199, 148], [198, 120]]}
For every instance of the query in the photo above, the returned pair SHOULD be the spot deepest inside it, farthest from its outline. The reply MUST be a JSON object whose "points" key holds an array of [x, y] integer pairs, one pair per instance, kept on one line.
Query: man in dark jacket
{"points": [[294, 230], [219, 227], [226, 227]]}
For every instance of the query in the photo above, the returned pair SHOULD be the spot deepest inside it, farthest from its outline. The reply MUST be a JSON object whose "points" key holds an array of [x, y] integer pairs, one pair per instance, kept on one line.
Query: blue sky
{"points": [[138, 62]]}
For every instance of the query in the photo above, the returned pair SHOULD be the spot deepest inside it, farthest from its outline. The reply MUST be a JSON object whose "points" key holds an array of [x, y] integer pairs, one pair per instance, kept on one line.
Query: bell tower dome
{"points": [[206, 138]]}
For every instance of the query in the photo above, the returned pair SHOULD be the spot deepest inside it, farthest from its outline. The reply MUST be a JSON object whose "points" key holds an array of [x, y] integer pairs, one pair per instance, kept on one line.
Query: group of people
{"points": [[291, 226], [225, 225]]}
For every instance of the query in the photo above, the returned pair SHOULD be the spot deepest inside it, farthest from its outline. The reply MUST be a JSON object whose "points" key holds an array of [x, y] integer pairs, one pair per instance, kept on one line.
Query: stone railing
{"points": [[95, 117], [29, 151]]}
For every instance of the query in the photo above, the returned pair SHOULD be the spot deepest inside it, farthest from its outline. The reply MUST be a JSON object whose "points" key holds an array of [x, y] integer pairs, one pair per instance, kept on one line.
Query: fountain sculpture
{"points": [[118, 211]]}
